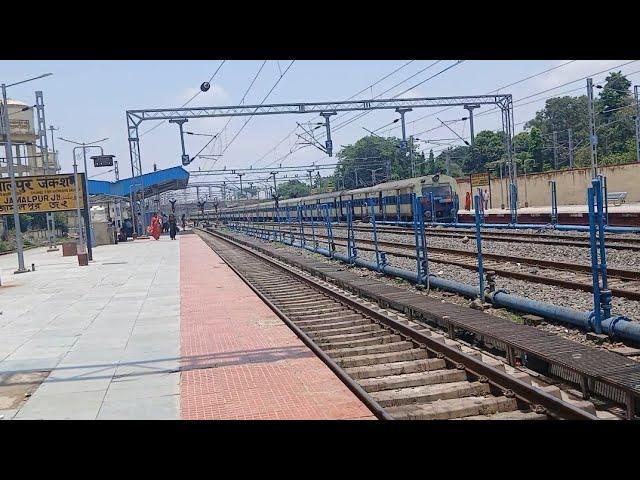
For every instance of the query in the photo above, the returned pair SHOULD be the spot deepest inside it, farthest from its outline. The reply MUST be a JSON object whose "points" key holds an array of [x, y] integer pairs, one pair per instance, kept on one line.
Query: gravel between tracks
{"points": [[623, 259]]}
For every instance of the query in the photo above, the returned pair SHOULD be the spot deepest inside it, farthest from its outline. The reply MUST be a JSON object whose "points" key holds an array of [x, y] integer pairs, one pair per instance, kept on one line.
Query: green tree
{"points": [[60, 220], [615, 94], [293, 189], [489, 147], [356, 161], [615, 125], [559, 115], [535, 149]]}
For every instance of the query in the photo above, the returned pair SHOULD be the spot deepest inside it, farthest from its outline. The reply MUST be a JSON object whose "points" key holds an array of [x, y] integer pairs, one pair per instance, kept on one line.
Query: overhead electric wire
{"points": [[517, 104], [263, 100], [347, 99], [188, 101], [255, 77], [556, 87], [360, 115], [492, 91]]}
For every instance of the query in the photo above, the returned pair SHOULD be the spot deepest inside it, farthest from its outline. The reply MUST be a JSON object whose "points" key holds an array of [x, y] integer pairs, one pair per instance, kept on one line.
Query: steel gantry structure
{"points": [[325, 110]]}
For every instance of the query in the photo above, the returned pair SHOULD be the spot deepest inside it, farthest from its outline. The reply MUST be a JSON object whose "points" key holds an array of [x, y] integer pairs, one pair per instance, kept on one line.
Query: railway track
{"points": [[399, 368], [519, 237], [622, 283], [612, 242]]}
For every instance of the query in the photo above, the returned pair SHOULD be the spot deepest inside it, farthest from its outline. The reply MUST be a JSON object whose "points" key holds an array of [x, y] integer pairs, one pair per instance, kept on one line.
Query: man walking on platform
{"points": [[173, 226]]}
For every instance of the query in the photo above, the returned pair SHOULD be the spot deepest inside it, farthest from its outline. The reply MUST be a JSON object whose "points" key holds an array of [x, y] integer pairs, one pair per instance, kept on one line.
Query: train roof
{"points": [[404, 183], [395, 185]]}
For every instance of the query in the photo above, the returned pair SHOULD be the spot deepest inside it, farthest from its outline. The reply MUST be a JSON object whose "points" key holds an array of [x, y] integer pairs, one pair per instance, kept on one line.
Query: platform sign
{"points": [[103, 160], [480, 179], [42, 193]]}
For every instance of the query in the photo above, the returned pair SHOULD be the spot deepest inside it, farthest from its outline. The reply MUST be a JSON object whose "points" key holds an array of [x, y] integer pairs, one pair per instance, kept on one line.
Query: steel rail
{"points": [[352, 385], [586, 286], [498, 236]]}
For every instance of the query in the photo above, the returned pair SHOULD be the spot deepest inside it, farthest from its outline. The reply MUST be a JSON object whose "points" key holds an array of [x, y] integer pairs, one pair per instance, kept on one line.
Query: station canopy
{"points": [[160, 181]]}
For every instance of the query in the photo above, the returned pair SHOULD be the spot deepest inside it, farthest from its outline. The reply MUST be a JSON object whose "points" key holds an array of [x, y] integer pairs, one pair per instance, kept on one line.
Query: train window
{"points": [[441, 191]]}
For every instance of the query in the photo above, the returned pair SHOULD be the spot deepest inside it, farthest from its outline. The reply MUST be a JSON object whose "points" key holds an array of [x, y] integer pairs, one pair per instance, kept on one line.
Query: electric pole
{"points": [[53, 143], [310, 178], [637, 95], [593, 137], [44, 148], [403, 142], [570, 148], [240, 175], [555, 150], [413, 166], [275, 187], [14, 189], [471, 108], [447, 160]]}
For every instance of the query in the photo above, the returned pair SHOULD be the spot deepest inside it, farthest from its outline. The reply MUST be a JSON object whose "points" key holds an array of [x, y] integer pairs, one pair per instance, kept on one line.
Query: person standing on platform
{"points": [[467, 201], [156, 226], [184, 221], [173, 226], [485, 197]]}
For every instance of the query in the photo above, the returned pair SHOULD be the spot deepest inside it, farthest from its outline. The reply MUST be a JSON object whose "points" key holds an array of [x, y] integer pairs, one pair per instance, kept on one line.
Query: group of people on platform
{"points": [[160, 223], [163, 223], [484, 200]]}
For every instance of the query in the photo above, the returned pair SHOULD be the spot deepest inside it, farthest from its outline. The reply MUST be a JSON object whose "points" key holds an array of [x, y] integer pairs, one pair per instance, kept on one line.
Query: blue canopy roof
{"points": [[161, 181]]}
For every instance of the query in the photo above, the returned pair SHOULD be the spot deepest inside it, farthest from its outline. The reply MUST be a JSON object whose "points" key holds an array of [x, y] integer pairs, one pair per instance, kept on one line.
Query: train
{"points": [[392, 201]]}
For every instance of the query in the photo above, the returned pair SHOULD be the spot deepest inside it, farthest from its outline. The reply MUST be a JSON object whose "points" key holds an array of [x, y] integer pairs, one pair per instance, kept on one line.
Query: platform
{"points": [[627, 214], [631, 207], [152, 330]]}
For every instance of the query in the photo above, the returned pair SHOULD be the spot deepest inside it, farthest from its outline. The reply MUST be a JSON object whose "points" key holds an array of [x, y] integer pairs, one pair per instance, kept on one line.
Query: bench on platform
{"points": [[617, 198]]}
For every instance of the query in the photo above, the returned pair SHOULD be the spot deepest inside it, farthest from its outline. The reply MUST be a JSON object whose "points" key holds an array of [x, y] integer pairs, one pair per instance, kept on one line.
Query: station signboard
{"points": [[479, 180], [42, 193]]}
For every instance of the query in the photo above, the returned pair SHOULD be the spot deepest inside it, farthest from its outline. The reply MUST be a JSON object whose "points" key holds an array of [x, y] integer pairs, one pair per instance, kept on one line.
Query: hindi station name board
{"points": [[42, 193], [479, 179]]}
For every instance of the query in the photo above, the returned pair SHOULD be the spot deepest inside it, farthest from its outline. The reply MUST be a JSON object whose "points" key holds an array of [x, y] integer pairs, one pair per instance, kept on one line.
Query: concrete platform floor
{"points": [[108, 341], [631, 207], [109, 333]]}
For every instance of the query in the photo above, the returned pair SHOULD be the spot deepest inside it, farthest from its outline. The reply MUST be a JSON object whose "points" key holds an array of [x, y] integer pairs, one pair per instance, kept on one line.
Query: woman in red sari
{"points": [[156, 226]]}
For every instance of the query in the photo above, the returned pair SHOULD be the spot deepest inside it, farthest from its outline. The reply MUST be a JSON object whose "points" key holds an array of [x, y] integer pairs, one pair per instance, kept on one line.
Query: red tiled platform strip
{"points": [[239, 360]]}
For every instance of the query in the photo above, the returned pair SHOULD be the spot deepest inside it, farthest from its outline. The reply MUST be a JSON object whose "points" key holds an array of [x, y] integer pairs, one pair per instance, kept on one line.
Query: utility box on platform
{"points": [[69, 249]]}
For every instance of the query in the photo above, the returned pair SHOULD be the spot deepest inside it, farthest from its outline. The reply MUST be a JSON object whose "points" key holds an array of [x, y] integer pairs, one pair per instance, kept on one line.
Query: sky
{"points": [[88, 100]]}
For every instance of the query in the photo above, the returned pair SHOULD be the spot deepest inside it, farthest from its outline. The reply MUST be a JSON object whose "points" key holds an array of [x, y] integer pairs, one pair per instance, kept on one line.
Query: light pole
{"points": [[53, 142], [134, 220], [83, 260], [12, 178], [85, 146]]}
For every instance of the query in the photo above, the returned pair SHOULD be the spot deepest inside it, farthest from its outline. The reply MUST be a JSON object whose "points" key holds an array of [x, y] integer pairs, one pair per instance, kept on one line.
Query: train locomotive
{"points": [[392, 201]]}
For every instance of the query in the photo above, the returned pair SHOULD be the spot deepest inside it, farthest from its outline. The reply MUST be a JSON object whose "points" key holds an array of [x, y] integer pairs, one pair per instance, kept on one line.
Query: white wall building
{"points": [[27, 157]]}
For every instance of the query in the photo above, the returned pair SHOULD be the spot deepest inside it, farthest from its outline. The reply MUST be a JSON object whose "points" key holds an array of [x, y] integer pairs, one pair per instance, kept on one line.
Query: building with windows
{"points": [[28, 158]]}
